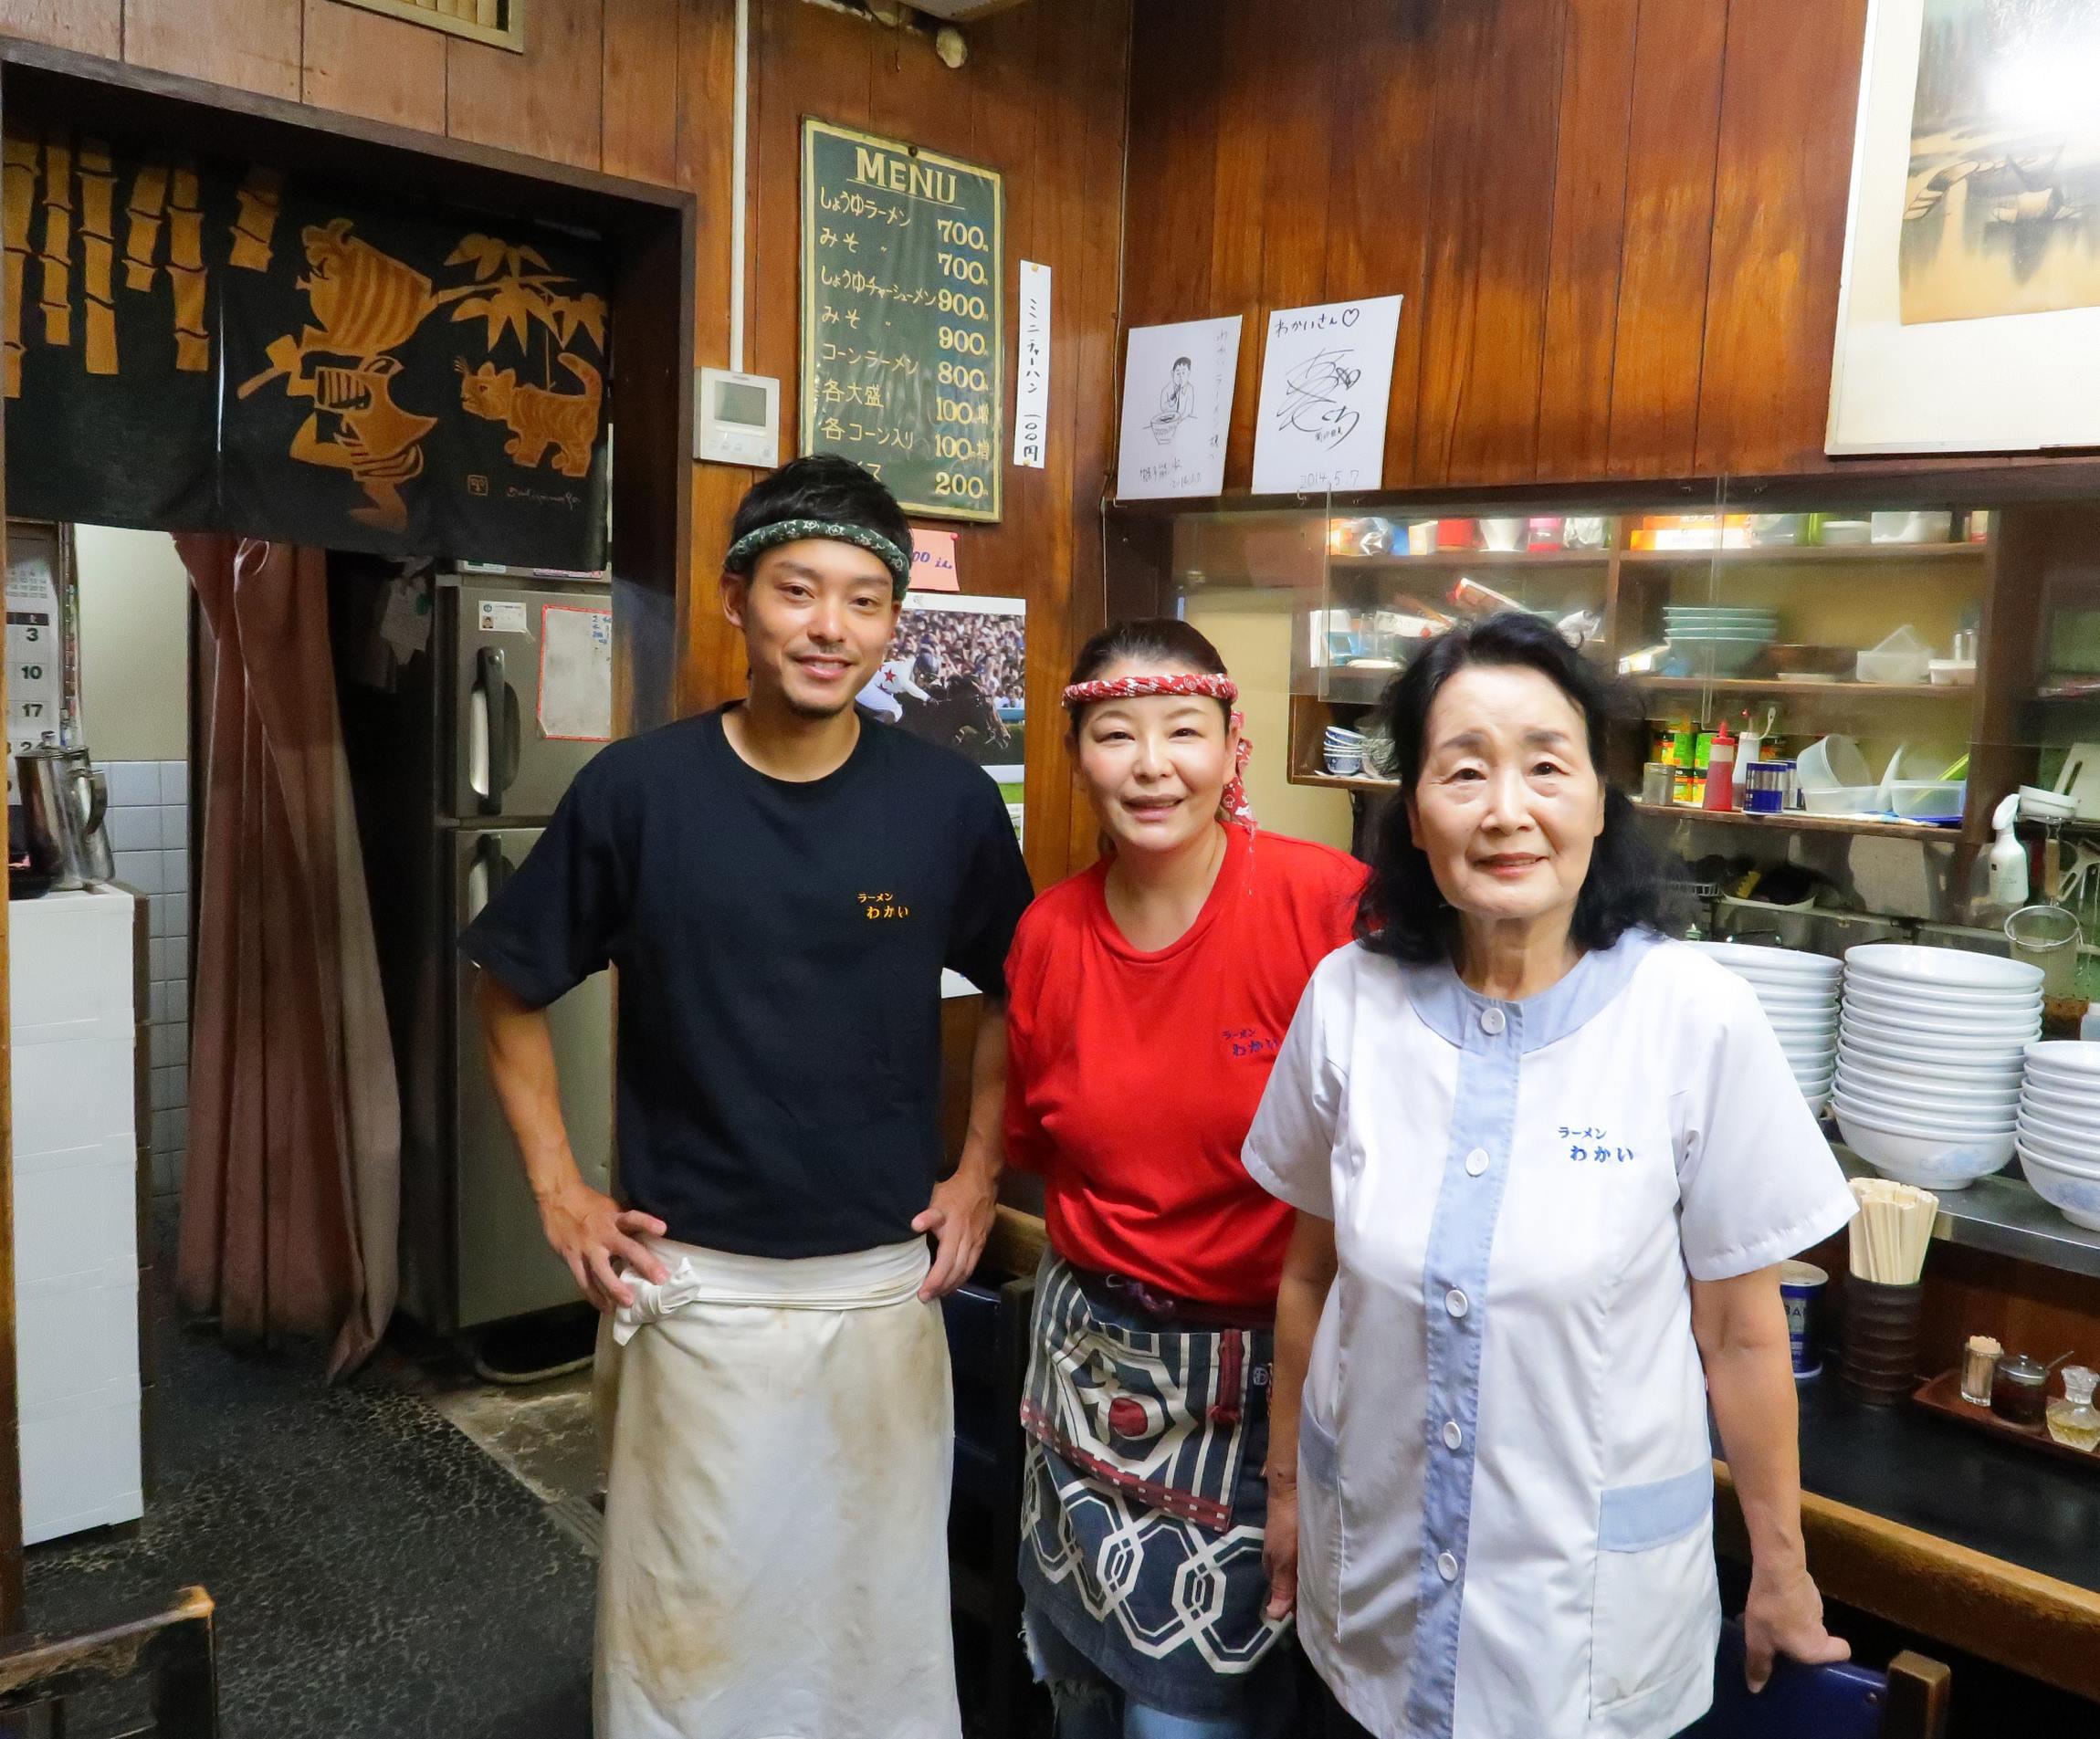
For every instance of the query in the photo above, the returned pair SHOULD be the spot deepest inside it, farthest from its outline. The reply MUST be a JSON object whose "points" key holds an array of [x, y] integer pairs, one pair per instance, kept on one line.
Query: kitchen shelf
{"points": [[1351, 688], [1794, 821], [1808, 690], [1812, 553], [2003, 1215], [1335, 781], [1474, 558]]}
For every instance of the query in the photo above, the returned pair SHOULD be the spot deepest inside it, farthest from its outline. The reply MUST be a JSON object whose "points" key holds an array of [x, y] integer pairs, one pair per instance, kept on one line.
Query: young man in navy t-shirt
{"points": [[780, 884]]}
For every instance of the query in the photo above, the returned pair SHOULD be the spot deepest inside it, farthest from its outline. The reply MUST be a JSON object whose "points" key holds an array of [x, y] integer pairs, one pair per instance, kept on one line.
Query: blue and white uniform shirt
{"points": [[1505, 1378]]}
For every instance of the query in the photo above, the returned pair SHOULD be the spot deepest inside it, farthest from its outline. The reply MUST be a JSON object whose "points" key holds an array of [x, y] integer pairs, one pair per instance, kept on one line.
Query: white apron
{"points": [[1505, 1487], [776, 1517]]}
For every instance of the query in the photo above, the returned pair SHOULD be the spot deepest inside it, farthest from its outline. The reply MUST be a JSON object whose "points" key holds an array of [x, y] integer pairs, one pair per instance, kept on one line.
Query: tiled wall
{"points": [[150, 834]]}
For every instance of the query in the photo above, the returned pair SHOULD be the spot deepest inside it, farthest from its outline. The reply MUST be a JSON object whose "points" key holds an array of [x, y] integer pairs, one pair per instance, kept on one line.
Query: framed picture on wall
{"points": [[1969, 319]]}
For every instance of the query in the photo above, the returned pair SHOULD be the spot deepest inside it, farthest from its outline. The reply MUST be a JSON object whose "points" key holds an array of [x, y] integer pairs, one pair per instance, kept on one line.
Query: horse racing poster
{"points": [[198, 346], [955, 676]]}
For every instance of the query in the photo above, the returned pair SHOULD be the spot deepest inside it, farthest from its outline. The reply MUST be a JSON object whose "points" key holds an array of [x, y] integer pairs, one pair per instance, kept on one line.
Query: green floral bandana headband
{"points": [[747, 549]]}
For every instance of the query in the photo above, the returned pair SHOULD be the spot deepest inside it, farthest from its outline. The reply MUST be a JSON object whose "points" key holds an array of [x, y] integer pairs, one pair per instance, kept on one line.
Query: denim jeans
{"points": [[1090, 1707]]}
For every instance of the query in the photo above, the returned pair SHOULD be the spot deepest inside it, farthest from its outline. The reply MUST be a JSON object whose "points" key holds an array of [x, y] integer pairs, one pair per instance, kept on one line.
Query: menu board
{"points": [[902, 321]]}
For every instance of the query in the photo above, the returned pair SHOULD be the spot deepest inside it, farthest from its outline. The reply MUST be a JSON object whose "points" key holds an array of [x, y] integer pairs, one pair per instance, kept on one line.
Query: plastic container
{"points": [[1831, 763], [1926, 527], [1902, 658], [1920, 799]]}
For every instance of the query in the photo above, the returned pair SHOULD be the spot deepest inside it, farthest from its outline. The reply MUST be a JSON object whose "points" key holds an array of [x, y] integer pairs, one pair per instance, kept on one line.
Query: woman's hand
{"points": [[1784, 1616], [1280, 1546]]}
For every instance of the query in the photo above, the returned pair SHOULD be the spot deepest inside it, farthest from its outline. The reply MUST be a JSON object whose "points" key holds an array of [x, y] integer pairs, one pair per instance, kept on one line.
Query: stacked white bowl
{"points": [[2060, 1127], [1799, 992], [1930, 1051]]}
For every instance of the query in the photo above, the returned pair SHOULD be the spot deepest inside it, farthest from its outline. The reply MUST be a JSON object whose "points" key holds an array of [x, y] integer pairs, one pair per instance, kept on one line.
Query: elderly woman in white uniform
{"points": [[1546, 1164]]}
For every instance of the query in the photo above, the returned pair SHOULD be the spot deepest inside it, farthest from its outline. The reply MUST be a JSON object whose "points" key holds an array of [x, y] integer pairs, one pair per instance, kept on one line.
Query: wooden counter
{"points": [[1980, 1546]]}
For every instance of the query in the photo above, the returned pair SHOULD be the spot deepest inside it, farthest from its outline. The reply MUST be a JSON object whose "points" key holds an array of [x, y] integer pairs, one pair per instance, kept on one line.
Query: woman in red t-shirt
{"points": [[1147, 996]]}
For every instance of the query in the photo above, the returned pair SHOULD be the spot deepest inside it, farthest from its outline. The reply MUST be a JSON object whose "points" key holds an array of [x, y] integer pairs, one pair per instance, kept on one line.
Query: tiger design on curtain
{"points": [[538, 419]]}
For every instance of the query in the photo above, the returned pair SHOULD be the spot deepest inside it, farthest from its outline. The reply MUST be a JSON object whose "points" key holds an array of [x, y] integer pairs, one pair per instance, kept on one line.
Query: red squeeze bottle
{"points": [[1721, 771]]}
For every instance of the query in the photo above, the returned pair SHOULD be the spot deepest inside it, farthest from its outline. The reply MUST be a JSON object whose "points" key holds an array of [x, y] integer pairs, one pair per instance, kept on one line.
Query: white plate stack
{"points": [[1930, 1052], [2060, 1127], [1799, 992]]}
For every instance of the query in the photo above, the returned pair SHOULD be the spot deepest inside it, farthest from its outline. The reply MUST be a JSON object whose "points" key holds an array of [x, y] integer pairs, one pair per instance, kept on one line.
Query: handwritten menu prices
{"points": [[902, 321]]}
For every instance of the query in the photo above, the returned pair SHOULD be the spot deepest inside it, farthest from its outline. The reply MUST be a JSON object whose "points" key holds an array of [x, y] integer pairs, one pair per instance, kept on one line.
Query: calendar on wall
{"points": [[43, 675]]}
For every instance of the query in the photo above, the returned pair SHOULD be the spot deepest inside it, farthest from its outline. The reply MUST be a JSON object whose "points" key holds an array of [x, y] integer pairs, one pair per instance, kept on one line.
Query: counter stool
{"points": [[170, 1652], [1842, 1702]]}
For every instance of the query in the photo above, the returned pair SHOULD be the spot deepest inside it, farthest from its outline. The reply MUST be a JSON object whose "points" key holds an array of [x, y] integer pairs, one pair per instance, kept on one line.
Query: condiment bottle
{"points": [[1978, 1361], [1721, 792], [2073, 1419], [2019, 1390], [1749, 750]]}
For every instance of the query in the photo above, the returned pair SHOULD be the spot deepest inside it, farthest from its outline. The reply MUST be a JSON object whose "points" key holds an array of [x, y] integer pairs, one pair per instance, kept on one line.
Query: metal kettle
{"points": [[64, 798]]}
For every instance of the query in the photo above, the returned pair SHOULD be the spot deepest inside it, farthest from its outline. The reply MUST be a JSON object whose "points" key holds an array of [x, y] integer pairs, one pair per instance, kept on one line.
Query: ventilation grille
{"points": [[500, 22]]}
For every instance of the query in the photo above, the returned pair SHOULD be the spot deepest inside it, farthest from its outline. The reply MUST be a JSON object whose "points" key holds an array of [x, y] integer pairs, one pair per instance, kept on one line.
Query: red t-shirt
{"points": [[1131, 1077]]}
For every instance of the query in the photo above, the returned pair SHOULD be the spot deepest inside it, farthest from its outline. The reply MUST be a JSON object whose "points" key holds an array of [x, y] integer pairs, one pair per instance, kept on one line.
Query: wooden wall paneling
{"points": [[640, 72], [1669, 238], [1377, 183], [804, 62], [712, 655], [1590, 223], [652, 484], [1292, 216], [1170, 211], [913, 97], [1497, 104], [546, 102], [85, 27], [2028, 1309], [1016, 114], [1088, 364], [1247, 132], [254, 44], [1788, 93], [363, 63]]}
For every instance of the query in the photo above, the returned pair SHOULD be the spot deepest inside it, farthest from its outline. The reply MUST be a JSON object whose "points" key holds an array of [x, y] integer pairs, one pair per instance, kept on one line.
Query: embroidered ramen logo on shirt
{"points": [[882, 908], [1586, 1147]]}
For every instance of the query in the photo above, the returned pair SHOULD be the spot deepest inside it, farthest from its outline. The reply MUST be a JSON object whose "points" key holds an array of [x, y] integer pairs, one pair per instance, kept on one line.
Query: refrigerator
{"points": [[469, 703]]}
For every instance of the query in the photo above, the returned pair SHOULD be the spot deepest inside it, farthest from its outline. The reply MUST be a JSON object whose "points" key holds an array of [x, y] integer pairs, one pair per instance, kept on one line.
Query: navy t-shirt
{"points": [[779, 947]]}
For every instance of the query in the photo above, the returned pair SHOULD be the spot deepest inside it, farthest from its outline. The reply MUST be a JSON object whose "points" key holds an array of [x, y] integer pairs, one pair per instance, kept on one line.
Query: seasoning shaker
{"points": [[1979, 1362], [2019, 1390], [2073, 1419]]}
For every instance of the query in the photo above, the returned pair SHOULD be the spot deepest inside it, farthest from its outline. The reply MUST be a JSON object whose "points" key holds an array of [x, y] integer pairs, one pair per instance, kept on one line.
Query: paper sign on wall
{"points": [[933, 565], [1327, 372], [1031, 369], [1177, 409], [577, 673]]}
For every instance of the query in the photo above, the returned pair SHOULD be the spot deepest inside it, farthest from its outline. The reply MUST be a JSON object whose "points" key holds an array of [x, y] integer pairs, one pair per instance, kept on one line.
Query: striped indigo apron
{"points": [[1144, 1502]]}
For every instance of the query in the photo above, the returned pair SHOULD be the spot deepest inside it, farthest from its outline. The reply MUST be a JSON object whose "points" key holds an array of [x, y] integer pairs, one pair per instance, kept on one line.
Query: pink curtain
{"points": [[291, 1188]]}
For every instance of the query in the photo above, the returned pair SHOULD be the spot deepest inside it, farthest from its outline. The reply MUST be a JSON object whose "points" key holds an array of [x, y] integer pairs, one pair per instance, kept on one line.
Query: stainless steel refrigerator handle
{"points": [[486, 875], [498, 740]]}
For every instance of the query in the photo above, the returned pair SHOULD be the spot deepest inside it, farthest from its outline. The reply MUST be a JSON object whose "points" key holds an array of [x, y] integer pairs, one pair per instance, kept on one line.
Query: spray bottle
{"points": [[2008, 858]]}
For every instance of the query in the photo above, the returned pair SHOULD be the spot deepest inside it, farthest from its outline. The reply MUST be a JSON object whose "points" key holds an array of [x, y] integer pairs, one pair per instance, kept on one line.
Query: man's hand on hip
{"points": [[960, 1218], [591, 1232]]}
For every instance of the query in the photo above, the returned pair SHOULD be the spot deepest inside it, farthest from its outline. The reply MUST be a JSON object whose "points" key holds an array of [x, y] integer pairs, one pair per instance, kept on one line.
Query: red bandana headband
{"points": [[1224, 689]]}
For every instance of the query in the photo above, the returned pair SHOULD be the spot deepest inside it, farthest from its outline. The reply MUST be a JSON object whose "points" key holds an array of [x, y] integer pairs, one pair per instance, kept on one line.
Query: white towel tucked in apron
{"points": [[781, 1434]]}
